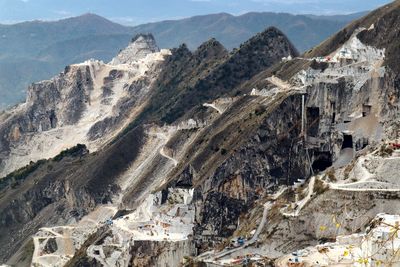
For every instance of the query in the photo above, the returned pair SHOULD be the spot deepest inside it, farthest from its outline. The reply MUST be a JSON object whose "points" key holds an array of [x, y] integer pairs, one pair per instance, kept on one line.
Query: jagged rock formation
{"points": [[140, 47], [87, 103], [59, 43], [233, 138], [141, 158]]}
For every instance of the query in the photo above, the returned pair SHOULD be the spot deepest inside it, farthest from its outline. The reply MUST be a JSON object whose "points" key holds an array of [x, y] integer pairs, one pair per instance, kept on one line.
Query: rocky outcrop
{"points": [[136, 162], [87, 103], [199, 130], [146, 253], [140, 46]]}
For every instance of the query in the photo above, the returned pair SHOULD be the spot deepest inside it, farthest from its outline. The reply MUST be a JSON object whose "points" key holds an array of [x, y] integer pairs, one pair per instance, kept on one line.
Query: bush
{"points": [[223, 151], [330, 173], [15, 178], [320, 187], [78, 149], [385, 151]]}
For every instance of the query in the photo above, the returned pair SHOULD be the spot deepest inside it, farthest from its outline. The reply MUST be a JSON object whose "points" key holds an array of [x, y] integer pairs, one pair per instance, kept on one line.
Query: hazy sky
{"points": [[140, 11]]}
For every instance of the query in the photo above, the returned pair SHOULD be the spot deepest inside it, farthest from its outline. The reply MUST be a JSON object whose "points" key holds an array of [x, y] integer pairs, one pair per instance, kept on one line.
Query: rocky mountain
{"points": [[305, 31], [34, 51], [210, 158], [94, 97], [119, 110]]}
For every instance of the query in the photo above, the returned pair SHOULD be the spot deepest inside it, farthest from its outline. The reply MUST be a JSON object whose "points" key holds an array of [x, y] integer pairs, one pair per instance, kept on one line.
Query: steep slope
{"points": [[215, 78], [121, 175], [283, 152], [304, 31], [87, 103], [351, 106]]}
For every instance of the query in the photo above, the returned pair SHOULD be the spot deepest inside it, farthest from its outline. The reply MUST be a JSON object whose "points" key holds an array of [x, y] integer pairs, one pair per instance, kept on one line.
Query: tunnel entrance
{"points": [[322, 161], [366, 110], [53, 119], [347, 141], [333, 109]]}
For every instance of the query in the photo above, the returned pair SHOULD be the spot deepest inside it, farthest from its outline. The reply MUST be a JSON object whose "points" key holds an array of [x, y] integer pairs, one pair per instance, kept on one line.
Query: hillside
{"points": [[93, 103], [47, 47], [211, 157], [305, 31]]}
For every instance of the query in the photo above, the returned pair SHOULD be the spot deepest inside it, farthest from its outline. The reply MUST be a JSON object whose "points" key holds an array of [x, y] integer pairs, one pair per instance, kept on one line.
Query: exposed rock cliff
{"points": [[87, 103], [223, 145], [137, 162], [141, 46]]}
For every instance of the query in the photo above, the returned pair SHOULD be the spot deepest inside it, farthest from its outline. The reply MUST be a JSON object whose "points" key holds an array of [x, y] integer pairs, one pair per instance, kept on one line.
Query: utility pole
{"points": [[302, 115]]}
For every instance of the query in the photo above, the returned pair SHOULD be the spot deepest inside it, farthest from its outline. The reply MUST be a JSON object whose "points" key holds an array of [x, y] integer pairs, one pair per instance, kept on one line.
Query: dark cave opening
{"points": [[333, 109], [333, 117], [323, 160], [366, 110], [347, 141], [53, 119]]}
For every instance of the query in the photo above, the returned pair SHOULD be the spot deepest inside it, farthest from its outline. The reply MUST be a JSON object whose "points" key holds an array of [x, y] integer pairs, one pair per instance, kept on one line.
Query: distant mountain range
{"points": [[33, 51]]}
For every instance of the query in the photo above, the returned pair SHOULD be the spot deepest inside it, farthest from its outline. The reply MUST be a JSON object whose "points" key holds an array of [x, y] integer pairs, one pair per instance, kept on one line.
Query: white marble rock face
{"points": [[138, 49]]}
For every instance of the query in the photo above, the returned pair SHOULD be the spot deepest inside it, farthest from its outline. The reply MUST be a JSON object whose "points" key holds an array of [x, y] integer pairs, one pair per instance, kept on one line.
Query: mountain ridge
{"points": [[241, 156], [49, 46], [48, 111]]}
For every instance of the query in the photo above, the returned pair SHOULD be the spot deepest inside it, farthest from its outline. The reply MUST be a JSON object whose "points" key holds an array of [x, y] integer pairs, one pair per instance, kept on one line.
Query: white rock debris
{"points": [[171, 221], [378, 246], [47, 144], [139, 48], [353, 61]]}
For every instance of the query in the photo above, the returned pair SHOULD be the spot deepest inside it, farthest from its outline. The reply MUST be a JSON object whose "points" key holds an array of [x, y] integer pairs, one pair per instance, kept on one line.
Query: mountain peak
{"points": [[269, 39], [140, 46], [143, 36], [87, 17], [211, 48]]}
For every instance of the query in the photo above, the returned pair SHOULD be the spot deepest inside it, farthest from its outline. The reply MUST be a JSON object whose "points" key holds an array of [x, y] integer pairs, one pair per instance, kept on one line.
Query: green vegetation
{"points": [[15, 178], [330, 173], [385, 150], [78, 149], [320, 187]]}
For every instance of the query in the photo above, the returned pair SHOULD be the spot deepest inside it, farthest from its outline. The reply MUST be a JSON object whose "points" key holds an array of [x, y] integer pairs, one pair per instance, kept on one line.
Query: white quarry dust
{"points": [[299, 205], [47, 144], [281, 86], [68, 238], [371, 172], [172, 221], [221, 104], [379, 246], [366, 60]]}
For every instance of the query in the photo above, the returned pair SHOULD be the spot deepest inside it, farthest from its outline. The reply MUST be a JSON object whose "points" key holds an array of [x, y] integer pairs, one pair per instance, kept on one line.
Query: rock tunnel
{"points": [[322, 161], [347, 141]]}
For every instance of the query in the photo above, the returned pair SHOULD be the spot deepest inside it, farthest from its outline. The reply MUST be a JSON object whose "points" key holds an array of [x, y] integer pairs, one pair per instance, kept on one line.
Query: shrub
{"points": [[320, 187], [223, 151], [331, 174], [78, 149]]}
